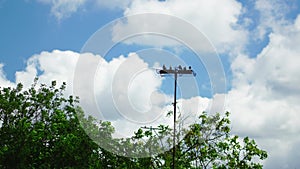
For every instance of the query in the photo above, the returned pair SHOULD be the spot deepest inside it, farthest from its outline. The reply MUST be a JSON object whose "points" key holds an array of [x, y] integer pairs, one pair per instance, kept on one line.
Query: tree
{"points": [[209, 144], [41, 128]]}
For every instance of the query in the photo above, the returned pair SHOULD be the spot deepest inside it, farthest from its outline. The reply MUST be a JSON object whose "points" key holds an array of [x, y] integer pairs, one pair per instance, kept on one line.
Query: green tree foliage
{"points": [[209, 144], [41, 128]]}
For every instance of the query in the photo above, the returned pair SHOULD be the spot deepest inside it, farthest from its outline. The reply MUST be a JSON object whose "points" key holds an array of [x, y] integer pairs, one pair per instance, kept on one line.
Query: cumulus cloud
{"points": [[265, 96], [63, 8], [272, 14], [125, 90], [48, 66], [216, 20], [120, 93]]}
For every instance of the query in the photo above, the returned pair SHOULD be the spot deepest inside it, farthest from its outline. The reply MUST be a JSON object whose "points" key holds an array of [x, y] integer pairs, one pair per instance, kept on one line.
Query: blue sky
{"points": [[28, 28], [256, 42]]}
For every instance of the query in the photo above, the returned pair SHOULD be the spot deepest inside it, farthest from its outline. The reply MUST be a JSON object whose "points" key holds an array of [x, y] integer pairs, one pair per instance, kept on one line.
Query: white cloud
{"points": [[49, 66], [126, 91], [265, 96], [217, 20], [64, 8], [272, 15], [126, 88]]}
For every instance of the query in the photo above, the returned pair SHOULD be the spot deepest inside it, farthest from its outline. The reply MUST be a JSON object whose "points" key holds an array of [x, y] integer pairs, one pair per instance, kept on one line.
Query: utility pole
{"points": [[176, 71]]}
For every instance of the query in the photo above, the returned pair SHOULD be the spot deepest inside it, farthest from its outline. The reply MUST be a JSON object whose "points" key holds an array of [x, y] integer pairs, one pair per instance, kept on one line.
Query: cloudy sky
{"points": [[245, 54]]}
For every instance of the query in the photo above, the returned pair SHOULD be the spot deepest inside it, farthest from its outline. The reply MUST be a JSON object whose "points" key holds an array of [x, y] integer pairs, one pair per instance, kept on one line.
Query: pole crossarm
{"points": [[176, 71], [150, 128]]}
